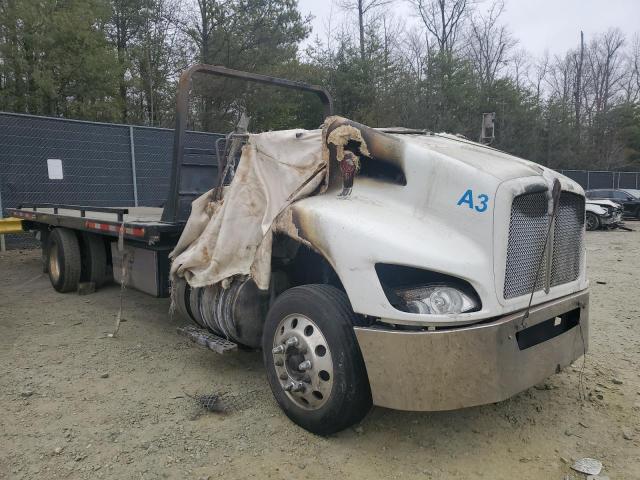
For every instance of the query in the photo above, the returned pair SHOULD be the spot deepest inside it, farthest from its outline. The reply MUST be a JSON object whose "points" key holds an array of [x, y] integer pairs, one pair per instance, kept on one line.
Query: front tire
{"points": [[593, 222], [313, 361], [64, 260]]}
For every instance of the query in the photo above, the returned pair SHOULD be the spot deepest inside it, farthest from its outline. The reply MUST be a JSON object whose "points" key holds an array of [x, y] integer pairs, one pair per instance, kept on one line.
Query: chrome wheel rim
{"points": [[303, 362], [54, 265]]}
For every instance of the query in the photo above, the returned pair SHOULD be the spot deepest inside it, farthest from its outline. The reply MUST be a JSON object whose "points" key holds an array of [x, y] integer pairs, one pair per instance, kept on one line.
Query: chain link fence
{"points": [[52, 160], [590, 179]]}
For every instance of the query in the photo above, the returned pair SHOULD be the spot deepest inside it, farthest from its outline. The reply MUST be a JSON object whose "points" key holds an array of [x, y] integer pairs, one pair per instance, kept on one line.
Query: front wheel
{"points": [[313, 361], [593, 222]]}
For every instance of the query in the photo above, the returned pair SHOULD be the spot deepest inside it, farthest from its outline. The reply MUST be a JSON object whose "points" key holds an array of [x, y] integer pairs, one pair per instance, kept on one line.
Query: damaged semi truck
{"points": [[391, 267]]}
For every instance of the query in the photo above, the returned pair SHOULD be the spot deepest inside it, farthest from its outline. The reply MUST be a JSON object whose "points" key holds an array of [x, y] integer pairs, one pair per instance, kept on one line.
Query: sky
{"points": [[539, 25]]}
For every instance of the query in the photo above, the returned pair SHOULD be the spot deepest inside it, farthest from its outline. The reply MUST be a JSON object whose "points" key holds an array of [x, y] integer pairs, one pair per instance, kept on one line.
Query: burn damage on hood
{"points": [[351, 148]]}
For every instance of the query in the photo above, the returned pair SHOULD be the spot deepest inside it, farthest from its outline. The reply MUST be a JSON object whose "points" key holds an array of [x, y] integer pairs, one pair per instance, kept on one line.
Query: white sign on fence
{"points": [[54, 165]]}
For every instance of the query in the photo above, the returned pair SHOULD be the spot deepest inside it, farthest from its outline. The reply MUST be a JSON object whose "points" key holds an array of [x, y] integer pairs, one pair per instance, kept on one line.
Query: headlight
{"points": [[436, 300]]}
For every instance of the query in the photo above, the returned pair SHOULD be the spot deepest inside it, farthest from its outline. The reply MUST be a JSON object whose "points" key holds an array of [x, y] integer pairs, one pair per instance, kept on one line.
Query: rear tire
{"points": [[333, 393], [94, 260], [593, 222], [64, 260]]}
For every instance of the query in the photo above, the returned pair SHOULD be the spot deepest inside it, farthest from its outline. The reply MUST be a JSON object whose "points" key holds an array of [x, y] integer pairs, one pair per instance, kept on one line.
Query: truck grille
{"points": [[527, 230], [567, 240]]}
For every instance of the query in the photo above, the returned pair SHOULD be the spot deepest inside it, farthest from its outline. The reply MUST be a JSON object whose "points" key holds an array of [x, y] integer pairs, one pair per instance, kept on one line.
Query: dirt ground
{"points": [[77, 404]]}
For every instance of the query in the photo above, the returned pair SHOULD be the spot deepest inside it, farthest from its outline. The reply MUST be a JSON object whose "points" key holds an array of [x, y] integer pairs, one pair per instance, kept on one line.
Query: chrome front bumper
{"points": [[477, 364]]}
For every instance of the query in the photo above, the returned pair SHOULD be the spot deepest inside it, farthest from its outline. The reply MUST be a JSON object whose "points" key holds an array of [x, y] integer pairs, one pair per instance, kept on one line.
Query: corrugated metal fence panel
{"points": [[153, 153], [601, 180], [627, 180], [95, 162], [580, 176]]}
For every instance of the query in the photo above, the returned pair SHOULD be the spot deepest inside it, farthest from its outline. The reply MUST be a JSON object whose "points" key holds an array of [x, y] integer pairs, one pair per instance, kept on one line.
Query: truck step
{"points": [[206, 339]]}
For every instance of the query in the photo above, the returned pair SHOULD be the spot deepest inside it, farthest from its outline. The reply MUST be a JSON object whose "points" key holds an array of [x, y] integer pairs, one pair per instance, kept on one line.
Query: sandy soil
{"points": [[76, 404]]}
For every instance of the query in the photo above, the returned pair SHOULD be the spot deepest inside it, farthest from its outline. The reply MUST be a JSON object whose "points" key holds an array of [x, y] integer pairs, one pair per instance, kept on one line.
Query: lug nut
{"points": [[304, 366], [278, 349], [298, 387], [291, 342]]}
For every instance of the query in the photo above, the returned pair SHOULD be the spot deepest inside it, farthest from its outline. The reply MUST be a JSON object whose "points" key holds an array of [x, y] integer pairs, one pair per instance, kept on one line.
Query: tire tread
{"points": [[71, 264]]}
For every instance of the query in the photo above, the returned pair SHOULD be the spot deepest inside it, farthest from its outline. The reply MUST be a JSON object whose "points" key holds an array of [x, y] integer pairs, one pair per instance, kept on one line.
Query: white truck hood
{"points": [[496, 163], [451, 217]]}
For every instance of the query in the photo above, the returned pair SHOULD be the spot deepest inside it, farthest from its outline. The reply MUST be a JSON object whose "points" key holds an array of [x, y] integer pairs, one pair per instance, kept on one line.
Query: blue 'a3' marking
{"points": [[480, 205]]}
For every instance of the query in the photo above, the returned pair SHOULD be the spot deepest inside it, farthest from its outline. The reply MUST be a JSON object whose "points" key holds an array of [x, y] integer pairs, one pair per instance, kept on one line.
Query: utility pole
{"points": [[578, 93], [147, 14]]}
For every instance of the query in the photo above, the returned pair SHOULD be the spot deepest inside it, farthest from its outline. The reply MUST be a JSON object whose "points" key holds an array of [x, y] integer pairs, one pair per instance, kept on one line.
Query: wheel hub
{"points": [[303, 361]]}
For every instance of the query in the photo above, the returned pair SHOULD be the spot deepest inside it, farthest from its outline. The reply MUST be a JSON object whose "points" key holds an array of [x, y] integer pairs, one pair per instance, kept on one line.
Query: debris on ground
{"points": [[589, 466], [223, 402]]}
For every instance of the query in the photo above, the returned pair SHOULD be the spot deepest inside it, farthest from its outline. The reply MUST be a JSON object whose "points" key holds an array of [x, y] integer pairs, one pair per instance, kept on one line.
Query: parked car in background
{"points": [[632, 191], [630, 203], [603, 214]]}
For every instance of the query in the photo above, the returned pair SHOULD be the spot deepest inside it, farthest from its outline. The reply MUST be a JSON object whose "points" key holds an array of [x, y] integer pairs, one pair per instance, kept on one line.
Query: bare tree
{"points": [[561, 78], [603, 82], [489, 43], [415, 51], [631, 82], [443, 19], [540, 73], [363, 7], [520, 62], [605, 61], [390, 30]]}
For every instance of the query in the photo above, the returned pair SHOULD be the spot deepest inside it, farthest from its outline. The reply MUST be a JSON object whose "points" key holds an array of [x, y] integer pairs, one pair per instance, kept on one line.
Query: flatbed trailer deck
{"points": [[147, 240], [140, 224]]}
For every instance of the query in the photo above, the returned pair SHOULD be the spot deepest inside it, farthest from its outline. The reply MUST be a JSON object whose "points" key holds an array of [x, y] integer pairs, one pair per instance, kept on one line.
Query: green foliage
{"points": [[253, 35], [54, 58]]}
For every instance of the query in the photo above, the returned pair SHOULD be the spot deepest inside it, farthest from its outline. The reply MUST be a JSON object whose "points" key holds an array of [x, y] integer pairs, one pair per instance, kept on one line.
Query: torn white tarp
{"points": [[233, 236]]}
